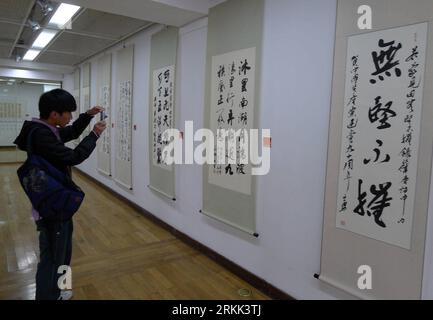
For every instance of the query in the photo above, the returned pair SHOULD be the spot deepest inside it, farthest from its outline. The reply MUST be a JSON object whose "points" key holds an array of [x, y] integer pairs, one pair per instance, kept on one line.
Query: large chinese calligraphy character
{"points": [[386, 60]]}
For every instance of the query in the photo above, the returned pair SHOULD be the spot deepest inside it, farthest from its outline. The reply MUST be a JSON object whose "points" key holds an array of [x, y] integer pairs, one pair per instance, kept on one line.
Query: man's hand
{"points": [[99, 127], [94, 111]]}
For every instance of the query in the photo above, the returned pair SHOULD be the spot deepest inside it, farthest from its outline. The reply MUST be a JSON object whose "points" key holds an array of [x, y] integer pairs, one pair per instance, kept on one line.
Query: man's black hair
{"points": [[57, 100]]}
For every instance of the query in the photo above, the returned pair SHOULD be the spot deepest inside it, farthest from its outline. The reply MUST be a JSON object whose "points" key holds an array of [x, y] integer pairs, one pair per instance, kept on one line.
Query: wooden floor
{"points": [[117, 253]]}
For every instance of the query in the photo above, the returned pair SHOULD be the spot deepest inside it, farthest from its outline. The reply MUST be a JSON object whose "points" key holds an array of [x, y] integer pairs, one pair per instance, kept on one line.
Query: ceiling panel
{"points": [[56, 58], [80, 45], [14, 9], [172, 12], [28, 33], [111, 25], [4, 51], [8, 32]]}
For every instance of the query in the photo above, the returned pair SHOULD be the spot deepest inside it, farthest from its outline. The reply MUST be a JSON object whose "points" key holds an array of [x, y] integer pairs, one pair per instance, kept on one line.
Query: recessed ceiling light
{"points": [[31, 55], [44, 38], [63, 14]]}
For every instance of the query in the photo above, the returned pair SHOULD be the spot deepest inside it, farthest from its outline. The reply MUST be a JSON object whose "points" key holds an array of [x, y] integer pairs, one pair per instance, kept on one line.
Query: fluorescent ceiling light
{"points": [[31, 55], [63, 14], [44, 38]]}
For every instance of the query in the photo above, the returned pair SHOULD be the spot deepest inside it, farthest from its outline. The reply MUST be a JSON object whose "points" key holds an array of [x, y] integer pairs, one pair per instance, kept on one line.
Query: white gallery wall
{"points": [[295, 104], [27, 95]]}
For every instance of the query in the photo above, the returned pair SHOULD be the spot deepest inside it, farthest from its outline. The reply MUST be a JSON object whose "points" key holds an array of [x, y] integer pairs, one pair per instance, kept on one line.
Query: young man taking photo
{"points": [[49, 135]]}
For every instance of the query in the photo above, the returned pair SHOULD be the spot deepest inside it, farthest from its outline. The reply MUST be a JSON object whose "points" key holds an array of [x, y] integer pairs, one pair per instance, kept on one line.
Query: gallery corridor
{"points": [[117, 252]]}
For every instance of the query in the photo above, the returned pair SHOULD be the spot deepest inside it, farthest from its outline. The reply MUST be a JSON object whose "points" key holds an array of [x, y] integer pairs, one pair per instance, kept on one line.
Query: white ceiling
{"points": [[98, 25], [91, 32], [170, 12]]}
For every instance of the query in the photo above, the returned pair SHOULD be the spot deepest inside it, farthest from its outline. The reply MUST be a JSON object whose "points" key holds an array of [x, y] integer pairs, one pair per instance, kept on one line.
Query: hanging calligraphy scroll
{"points": [[76, 94], [381, 127], [123, 124], [379, 157], [162, 109], [104, 100], [232, 107], [235, 31], [86, 95], [162, 116], [124, 120]]}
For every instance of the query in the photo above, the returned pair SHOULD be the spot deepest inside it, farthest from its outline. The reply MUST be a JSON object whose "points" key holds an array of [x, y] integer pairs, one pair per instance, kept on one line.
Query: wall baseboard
{"points": [[245, 275]]}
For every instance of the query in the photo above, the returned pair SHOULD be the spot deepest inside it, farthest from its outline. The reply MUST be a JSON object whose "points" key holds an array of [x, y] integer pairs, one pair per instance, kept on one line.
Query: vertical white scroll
{"points": [[105, 141], [86, 94], [76, 94], [163, 113], [381, 128], [123, 121], [124, 114], [162, 109], [232, 107], [104, 100]]}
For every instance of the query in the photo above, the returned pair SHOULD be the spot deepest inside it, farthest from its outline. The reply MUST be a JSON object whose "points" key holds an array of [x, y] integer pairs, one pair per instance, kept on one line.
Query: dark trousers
{"points": [[55, 244]]}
